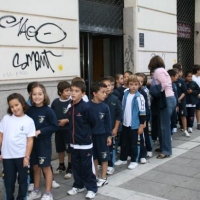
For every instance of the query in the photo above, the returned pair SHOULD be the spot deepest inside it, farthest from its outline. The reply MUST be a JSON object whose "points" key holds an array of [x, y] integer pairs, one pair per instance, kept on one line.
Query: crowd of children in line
{"points": [[121, 113]]}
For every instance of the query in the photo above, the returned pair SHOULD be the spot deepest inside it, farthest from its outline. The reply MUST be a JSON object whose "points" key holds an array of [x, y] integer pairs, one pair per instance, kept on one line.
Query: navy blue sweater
{"points": [[101, 123], [80, 119], [60, 109], [115, 107], [45, 120], [192, 98], [181, 87]]}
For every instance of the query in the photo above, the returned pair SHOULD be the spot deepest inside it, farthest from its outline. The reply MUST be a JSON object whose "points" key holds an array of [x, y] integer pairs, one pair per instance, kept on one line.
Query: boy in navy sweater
{"points": [[181, 90], [191, 99], [80, 119], [101, 129], [115, 107], [134, 117], [62, 136]]}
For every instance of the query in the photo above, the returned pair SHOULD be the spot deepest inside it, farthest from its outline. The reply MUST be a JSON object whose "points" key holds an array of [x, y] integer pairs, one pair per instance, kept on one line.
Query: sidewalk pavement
{"points": [[174, 178]]}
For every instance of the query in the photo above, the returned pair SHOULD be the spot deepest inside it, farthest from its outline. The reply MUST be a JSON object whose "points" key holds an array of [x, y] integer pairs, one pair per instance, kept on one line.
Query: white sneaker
{"points": [[67, 176], [55, 185], [190, 130], [133, 165], [90, 195], [110, 170], [47, 197], [174, 130], [143, 160], [34, 195], [186, 133], [101, 182], [149, 154], [120, 162], [74, 191], [31, 187]]}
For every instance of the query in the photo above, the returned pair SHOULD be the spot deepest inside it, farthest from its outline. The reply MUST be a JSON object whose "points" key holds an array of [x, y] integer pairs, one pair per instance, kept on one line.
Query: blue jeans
{"points": [[165, 125]]}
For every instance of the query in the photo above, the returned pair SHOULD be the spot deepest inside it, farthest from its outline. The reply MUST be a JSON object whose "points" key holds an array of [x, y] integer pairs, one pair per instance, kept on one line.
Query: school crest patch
{"points": [[41, 160], [101, 115], [104, 155]]}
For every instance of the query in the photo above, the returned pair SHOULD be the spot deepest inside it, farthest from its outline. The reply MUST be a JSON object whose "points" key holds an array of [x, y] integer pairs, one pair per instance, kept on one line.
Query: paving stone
{"points": [[180, 161], [176, 169], [191, 154]]}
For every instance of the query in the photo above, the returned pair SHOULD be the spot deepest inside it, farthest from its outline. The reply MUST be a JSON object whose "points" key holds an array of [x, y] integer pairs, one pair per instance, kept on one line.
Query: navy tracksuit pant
{"points": [[83, 169], [11, 169]]}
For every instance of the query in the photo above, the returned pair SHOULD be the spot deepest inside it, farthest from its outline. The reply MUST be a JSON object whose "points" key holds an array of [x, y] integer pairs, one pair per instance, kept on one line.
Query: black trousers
{"points": [[131, 144], [11, 169], [83, 169], [190, 116], [147, 136]]}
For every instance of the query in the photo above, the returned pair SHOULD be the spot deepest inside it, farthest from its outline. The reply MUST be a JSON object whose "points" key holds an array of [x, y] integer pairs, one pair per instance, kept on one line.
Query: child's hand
{"points": [[62, 122], [109, 141], [189, 91], [140, 130], [37, 133], [25, 162], [114, 132]]}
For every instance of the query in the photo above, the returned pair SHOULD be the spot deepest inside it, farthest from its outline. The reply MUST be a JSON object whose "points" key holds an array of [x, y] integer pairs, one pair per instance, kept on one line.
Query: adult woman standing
{"points": [[162, 80]]}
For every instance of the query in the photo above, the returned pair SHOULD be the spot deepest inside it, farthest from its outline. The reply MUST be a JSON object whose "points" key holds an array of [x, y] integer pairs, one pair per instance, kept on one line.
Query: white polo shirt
{"points": [[15, 131]]}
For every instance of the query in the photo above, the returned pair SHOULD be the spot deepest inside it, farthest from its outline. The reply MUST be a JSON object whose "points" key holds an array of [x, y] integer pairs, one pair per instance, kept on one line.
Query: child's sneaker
{"points": [[90, 195], [190, 130], [60, 170], [143, 160], [110, 170], [149, 154], [55, 184], [34, 195], [74, 191], [31, 187], [186, 133], [174, 130], [198, 126], [133, 165], [101, 182], [47, 197], [120, 162]]}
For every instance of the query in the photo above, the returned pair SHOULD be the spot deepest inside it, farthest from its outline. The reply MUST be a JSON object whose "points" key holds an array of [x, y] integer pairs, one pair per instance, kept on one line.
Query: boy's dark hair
{"points": [[20, 98], [144, 76], [172, 72], [117, 76], [46, 97], [77, 79], [79, 84], [62, 85], [29, 86], [195, 69], [156, 62], [177, 66], [128, 72], [188, 72], [96, 86], [111, 78], [101, 80]]}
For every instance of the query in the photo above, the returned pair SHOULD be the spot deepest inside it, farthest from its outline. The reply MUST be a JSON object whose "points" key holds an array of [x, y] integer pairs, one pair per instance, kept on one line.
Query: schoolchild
{"points": [[16, 141], [134, 116], [114, 91], [181, 90], [119, 80], [46, 124], [62, 136], [147, 134], [116, 116], [101, 130], [125, 86], [80, 119], [191, 99], [31, 185], [174, 76], [196, 78], [77, 78]]}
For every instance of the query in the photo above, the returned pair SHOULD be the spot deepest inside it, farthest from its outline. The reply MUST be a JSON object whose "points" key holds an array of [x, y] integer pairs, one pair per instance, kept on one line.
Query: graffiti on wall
{"points": [[128, 55], [46, 33]]}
